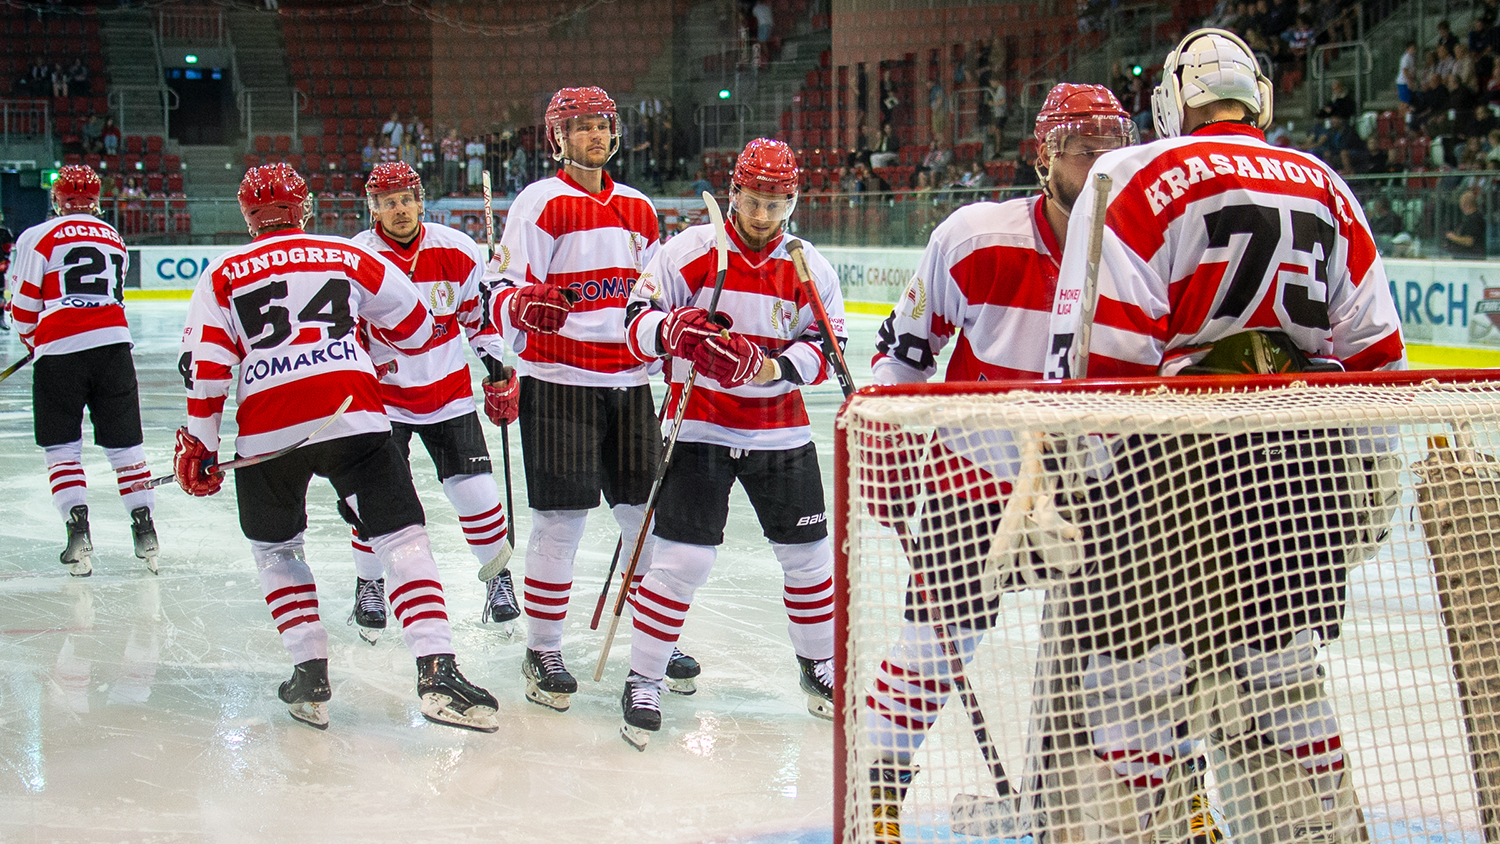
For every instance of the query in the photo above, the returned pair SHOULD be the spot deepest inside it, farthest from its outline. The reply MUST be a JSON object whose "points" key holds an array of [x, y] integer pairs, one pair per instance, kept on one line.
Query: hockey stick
{"points": [[831, 348], [499, 374], [13, 368], [1102, 185], [242, 462], [614, 561], [721, 246], [489, 236]]}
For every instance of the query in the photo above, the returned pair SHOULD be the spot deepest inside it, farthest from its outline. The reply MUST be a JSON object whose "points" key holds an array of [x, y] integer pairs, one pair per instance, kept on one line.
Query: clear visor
{"points": [[1092, 136], [762, 206]]}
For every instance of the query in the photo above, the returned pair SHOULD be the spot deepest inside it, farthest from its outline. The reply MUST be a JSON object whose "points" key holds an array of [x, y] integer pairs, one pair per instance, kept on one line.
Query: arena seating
{"points": [[57, 39]]}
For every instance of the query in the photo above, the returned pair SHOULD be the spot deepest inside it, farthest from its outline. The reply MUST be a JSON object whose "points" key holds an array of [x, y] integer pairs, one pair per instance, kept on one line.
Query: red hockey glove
{"points": [[502, 402], [542, 308], [891, 478], [188, 463], [731, 362], [685, 328], [382, 369]]}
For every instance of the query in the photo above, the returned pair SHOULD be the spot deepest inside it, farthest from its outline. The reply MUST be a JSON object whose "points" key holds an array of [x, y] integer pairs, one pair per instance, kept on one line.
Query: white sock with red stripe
{"points": [[287, 583], [480, 514], [130, 466], [416, 595], [661, 602], [913, 684], [553, 544], [807, 591], [366, 565], [65, 473]]}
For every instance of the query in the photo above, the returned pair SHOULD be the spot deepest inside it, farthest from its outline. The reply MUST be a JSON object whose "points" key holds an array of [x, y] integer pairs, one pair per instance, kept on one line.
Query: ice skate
{"points": [[989, 816], [448, 698], [500, 604], [817, 681], [80, 551], [642, 706], [682, 673], [488, 571], [369, 612], [308, 692], [888, 784], [547, 679], [144, 530]]}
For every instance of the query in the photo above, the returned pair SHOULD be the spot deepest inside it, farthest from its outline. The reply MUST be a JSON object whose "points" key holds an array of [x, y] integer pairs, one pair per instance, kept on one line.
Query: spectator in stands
{"points": [[516, 168], [1468, 239], [1278, 135], [1406, 74], [474, 151], [1432, 101], [391, 132], [38, 78], [1339, 145], [996, 107], [1461, 98], [1383, 223], [369, 154], [92, 132], [1492, 150], [700, 184], [937, 104], [1376, 160], [453, 161], [1282, 15], [1447, 65], [111, 136], [1471, 156], [59, 80], [427, 151], [1463, 64], [936, 160], [1299, 39], [1428, 69], [765, 21], [1340, 102], [1445, 36], [78, 78], [976, 177], [884, 153], [1478, 122], [888, 98]]}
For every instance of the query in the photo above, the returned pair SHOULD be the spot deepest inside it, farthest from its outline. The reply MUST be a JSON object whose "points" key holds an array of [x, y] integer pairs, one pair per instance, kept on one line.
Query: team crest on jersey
{"points": [[443, 299], [916, 297], [648, 286], [504, 258], [784, 318], [637, 245]]}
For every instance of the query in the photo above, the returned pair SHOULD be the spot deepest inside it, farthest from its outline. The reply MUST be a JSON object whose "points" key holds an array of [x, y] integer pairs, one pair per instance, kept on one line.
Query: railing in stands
{"points": [[269, 101], [201, 28], [25, 120], [119, 95], [722, 124]]}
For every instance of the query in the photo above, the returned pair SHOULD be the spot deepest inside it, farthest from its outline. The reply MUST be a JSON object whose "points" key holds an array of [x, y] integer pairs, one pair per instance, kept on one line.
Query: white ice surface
{"points": [[141, 708]]}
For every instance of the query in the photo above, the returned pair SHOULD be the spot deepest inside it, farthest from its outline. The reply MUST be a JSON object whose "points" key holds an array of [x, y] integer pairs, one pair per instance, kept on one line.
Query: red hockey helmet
{"points": [[76, 190], [389, 177], [274, 195], [579, 102], [1072, 110], [767, 166]]}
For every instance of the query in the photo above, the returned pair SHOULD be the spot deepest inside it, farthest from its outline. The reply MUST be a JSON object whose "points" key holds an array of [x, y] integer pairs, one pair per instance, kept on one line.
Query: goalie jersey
{"points": [[283, 309], [1216, 233]]}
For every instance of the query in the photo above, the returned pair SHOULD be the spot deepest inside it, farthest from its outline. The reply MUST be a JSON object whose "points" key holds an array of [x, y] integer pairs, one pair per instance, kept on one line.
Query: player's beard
{"points": [[1064, 194]]}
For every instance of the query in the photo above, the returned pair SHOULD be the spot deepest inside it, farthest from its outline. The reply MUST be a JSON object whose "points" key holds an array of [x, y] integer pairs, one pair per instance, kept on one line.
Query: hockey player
{"points": [[745, 421], [68, 275], [428, 392], [572, 248], [7, 242], [988, 275], [283, 309], [1222, 253]]}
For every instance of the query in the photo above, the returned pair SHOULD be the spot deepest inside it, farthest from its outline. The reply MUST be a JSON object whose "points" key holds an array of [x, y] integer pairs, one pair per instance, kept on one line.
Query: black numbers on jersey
{"points": [[908, 348], [185, 369], [259, 312], [1263, 225], [330, 305], [88, 273]]}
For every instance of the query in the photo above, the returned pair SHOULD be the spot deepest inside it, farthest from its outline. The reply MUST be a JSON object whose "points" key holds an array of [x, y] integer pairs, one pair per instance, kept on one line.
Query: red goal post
{"points": [[1266, 603]]}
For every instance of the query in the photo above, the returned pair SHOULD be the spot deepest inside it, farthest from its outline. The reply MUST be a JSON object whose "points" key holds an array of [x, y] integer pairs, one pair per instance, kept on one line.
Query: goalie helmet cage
{"points": [[1264, 603]]}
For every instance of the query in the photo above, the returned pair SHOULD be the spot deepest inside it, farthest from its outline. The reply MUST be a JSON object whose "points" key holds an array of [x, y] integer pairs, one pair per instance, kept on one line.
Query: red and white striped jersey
{"points": [[763, 298], [284, 309], [597, 244], [432, 384], [1216, 233], [988, 274], [68, 277]]}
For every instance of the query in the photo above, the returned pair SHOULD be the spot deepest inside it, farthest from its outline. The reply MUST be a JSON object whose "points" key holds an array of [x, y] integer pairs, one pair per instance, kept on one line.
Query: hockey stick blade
{"points": [[242, 462], [831, 348], [721, 246], [1102, 185], [15, 367]]}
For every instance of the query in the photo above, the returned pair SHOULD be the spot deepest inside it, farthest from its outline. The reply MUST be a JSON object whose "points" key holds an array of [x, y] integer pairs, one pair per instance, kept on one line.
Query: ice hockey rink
{"points": [[136, 707]]}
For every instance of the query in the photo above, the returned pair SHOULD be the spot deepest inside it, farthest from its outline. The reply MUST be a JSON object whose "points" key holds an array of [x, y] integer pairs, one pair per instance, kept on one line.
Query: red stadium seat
{"points": [[262, 144], [154, 183], [154, 144], [309, 144], [171, 163], [134, 144], [317, 182], [174, 183], [312, 162]]}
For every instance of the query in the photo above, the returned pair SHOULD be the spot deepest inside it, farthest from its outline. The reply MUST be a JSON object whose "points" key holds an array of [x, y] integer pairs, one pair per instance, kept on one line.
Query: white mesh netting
{"points": [[1098, 617]]}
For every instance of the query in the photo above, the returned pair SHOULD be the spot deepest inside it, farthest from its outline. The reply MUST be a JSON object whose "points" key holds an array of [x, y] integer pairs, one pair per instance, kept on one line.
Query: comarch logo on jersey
{"points": [[605, 288], [283, 364]]}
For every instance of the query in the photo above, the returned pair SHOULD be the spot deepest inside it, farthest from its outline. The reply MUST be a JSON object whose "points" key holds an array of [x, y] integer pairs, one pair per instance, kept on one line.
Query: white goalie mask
{"points": [[1209, 65]]}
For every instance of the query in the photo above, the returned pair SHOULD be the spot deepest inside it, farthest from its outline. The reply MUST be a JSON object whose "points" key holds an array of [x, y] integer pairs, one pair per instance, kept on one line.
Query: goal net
{"points": [[1190, 609]]}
